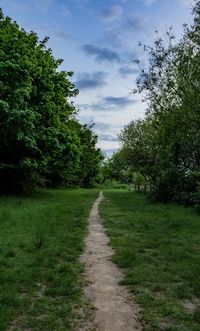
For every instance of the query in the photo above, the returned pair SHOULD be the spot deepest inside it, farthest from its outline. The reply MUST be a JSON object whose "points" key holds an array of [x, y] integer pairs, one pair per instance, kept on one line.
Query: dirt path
{"points": [[114, 310]]}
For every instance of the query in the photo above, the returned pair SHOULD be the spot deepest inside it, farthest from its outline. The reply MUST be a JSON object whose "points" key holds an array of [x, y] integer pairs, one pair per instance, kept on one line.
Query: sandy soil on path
{"points": [[113, 307]]}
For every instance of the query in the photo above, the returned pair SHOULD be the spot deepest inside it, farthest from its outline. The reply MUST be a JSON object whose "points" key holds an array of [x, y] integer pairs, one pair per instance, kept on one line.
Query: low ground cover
{"points": [[41, 238], [158, 247]]}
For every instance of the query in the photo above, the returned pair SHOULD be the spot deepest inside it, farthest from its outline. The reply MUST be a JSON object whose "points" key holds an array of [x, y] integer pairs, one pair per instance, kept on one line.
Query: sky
{"points": [[98, 41]]}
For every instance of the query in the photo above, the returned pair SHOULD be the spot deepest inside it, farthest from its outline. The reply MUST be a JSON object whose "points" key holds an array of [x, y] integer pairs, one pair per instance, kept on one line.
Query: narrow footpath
{"points": [[113, 307]]}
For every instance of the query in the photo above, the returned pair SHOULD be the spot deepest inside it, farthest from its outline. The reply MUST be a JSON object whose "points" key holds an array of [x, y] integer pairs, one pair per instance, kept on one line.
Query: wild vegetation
{"points": [[42, 142], [162, 151], [158, 249], [41, 239]]}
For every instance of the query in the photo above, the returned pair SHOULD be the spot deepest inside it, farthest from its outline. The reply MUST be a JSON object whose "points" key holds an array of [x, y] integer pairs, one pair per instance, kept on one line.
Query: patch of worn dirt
{"points": [[17, 323], [191, 306], [113, 307]]}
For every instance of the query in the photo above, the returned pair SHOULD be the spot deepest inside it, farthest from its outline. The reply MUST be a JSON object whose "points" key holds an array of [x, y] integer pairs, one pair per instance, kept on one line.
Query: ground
{"points": [[114, 309], [42, 277], [157, 247], [41, 239]]}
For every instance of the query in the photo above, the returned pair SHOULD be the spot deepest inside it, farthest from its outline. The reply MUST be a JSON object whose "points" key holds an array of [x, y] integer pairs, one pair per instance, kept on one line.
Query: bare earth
{"points": [[113, 307]]}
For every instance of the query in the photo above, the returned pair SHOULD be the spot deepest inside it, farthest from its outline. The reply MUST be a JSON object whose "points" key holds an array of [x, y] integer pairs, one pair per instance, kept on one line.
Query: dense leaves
{"points": [[41, 141], [165, 146]]}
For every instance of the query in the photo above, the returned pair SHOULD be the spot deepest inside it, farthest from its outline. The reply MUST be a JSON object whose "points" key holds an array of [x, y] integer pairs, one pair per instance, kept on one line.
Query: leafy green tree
{"points": [[39, 144], [105, 170], [90, 156], [117, 169], [165, 146], [139, 148]]}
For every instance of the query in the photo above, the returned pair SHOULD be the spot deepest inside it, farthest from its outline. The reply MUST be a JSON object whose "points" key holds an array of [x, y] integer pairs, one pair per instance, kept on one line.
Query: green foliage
{"points": [[116, 169], [138, 147], [90, 157], [39, 145], [113, 184], [165, 146]]}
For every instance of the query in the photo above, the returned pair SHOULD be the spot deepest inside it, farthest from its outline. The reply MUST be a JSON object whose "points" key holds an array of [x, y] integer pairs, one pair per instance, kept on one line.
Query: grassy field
{"points": [[41, 238], [158, 246]]}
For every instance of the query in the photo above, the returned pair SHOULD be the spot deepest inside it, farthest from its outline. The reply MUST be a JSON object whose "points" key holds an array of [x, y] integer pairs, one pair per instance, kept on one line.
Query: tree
{"points": [[165, 146], [90, 156], [39, 144], [139, 149]]}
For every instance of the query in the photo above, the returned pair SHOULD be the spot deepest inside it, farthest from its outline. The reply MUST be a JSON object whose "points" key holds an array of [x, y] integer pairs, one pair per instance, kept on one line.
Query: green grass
{"points": [[41, 238], [158, 247]]}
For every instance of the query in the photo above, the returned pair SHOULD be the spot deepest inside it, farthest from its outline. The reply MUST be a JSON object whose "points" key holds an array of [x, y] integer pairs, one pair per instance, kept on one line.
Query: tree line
{"points": [[41, 141], [162, 151]]}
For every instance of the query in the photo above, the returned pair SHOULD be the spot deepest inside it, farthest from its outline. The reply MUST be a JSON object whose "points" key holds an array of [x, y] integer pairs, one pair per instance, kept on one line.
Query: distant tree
{"points": [[105, 170], [90, 156], [139, 147]]}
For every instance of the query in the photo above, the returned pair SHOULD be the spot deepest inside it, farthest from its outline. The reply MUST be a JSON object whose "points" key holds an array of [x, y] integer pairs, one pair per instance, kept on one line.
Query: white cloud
{"points": [[187, 3]]}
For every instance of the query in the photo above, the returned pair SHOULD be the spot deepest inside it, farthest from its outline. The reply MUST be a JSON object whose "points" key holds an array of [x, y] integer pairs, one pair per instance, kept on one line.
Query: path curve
{"points": [[113, 307]]}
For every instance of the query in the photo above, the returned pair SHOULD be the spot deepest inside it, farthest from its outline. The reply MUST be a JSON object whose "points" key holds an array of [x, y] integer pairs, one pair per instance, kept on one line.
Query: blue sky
{"points": [[98, 40]]}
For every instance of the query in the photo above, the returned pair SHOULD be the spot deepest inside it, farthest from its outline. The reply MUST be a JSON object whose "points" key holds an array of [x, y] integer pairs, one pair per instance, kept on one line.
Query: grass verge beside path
{"points": [[41, 238], [158, 246]]}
